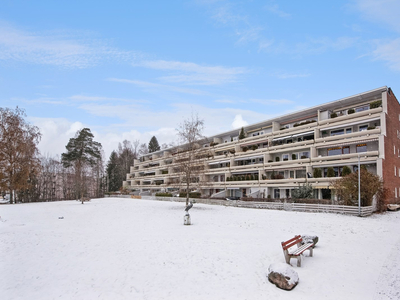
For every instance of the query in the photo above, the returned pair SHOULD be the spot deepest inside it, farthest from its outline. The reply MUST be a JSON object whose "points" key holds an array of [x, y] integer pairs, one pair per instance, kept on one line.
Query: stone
{"points": [[283, 276], [186, 220], [309, 239]]}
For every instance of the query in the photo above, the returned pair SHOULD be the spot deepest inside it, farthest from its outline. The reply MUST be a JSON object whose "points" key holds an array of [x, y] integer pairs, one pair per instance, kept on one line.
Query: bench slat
{"points": [[301, 249], [290, 243]]}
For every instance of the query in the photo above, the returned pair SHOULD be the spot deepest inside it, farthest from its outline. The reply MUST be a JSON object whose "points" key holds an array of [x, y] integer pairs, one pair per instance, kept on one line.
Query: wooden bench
{"points": [[296, 253]]}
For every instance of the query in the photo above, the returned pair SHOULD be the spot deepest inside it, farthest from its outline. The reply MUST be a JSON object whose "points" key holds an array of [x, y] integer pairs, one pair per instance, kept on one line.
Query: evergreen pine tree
{"points": [[114, 173], [242, 134], [153, 145], [82, 153]]}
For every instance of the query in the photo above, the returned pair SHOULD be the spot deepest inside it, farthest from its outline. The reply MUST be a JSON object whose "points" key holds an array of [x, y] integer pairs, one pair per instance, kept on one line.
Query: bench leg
{"points": [[311, 251], [299, 260], [287, 257]]}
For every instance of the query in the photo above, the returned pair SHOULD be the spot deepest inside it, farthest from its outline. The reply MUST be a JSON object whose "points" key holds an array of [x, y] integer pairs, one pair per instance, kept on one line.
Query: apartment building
{"points": [[279, 154]]}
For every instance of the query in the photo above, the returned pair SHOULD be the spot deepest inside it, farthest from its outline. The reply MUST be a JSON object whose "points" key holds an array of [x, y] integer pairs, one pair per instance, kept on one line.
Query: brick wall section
{"points": [[392, 182]]}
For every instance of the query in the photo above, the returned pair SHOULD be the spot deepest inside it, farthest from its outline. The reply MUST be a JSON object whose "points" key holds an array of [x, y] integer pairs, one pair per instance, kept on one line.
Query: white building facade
{"points": [[279, 154]]}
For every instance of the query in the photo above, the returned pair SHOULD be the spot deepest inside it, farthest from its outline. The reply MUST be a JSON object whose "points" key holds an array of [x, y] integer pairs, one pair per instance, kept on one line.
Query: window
{"points": [[305, 154], [277, 193], [346, 150], [361, 148], [337, 132], [285, 156], [348, 130], [395, 169], [362, 108], [395, 193], [334, 151], [362, 127]]}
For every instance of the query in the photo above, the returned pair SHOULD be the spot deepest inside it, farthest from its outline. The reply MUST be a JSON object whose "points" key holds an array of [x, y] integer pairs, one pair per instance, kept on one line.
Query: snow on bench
{"points": [[296, 253]]}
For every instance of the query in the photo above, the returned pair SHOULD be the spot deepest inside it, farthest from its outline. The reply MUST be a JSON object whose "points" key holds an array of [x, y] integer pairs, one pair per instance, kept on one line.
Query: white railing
{"points": [[303, 207]]}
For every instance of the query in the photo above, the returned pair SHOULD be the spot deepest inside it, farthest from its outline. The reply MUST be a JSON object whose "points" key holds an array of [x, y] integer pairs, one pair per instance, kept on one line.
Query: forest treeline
{"points": [[80, 172]]}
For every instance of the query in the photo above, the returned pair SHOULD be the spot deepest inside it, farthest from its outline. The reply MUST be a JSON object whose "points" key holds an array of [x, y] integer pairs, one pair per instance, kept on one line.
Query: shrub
{"points": [[285, 159], [213, 144], [303, 192], [276, 158], [303, 156], [375, 104], [191, 195], [351, 111], [256, 177], [244, 149], [163, 195], [254, 147], [317, 173], [270, 161], [371, 127], [294, 156], [282, 128], [330, 172], [346, 171], [264, 177], [296, 124], [333, 115]]}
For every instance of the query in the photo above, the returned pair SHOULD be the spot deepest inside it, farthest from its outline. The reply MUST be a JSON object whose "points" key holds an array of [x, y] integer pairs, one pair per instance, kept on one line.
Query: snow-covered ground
{"points": [[139, 249]]}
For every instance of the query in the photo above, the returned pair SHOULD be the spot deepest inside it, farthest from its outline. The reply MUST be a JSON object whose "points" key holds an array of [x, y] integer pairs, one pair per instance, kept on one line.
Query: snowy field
{"points": [[139, 249]]}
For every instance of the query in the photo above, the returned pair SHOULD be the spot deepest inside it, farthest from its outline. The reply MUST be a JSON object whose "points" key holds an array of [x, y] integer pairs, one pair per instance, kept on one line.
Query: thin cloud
{"points": [[389, 52], [272, 101], [59, 49], [82, 98], [194, 74], [274, 8], [385, 12], [150, 86], [225, 101], [226, 14]]}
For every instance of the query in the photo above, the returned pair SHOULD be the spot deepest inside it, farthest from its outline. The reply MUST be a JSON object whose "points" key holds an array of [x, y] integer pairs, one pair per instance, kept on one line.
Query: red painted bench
{"points": [[296, 253]]}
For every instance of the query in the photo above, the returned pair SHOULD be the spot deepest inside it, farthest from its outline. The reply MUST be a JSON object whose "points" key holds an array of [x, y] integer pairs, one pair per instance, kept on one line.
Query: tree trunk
{"points": [[187, 191]]}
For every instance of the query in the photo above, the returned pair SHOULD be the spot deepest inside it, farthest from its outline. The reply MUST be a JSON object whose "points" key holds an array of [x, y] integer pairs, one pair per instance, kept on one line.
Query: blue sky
{"points": [[134, 69]]}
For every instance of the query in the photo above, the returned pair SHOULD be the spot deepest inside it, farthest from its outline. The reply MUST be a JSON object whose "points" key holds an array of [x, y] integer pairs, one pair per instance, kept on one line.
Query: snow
{"points": [[139, 249], [285, 270]]}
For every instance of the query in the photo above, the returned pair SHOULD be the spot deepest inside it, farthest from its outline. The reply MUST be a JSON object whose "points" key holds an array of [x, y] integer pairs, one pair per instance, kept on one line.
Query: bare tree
{"points": [[190, 155], [18, 151], [126, 156], [143, 149], [135, 147]]}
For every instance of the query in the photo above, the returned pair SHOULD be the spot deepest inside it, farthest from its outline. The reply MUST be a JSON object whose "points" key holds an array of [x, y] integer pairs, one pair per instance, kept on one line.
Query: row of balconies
{"points": [[284, 164], [331, 140], [294, 130], [271, 160], [351, 159]]}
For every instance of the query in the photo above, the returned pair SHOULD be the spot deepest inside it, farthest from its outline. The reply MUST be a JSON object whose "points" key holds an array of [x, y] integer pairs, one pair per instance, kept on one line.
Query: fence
{"points": [[303, 207]]}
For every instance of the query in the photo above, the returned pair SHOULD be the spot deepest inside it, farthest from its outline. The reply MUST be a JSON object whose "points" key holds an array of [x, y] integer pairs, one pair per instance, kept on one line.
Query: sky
{"points": [[136, 69]]}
